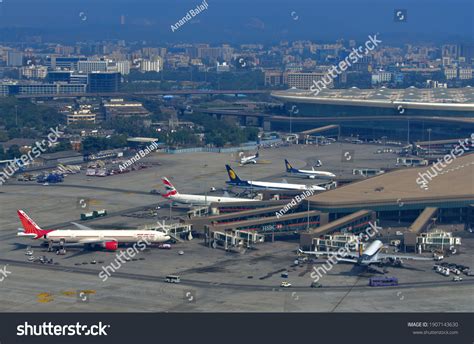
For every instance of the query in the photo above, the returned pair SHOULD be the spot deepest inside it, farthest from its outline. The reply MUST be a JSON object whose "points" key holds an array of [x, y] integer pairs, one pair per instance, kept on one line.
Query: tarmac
{"points": [[212, 280]]}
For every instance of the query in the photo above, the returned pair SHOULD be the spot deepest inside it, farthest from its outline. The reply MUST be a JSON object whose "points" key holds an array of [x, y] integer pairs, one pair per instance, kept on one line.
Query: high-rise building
{"points": [[450, 50], [451, 73], [34, 72], [123, 67], [273, 78], [304, 81], [103, 82], [90, 66], [14, 59], [465, 73], [59, 62], [154, 65], [58, 76]]}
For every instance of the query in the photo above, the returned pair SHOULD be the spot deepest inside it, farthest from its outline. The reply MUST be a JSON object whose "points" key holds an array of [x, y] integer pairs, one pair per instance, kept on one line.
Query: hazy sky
{"points": [[238, 20]]}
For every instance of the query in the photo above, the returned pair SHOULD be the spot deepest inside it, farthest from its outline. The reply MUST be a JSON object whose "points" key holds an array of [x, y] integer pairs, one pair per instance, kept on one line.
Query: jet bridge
{"points": [[233, 239], [175, 230]]}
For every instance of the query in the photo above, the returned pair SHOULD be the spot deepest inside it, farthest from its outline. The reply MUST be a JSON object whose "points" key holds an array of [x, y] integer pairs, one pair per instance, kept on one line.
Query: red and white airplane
{"points": [[174, 195], [108, 239]]}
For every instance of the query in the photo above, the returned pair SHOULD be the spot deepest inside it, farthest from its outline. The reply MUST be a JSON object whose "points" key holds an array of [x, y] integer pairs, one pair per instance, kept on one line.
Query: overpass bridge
{"points": [[144, 93]]}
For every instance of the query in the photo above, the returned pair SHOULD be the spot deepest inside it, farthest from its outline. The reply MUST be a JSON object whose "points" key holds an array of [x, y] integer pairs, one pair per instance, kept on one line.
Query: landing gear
{"points": [[61, 249], [50, 246]]}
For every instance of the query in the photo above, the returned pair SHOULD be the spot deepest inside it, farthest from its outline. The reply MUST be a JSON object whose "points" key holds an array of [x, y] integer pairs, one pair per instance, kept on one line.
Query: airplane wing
{"points": [[401, 257], [352, 256], [82, 227], [96, 241], [348, 260]]}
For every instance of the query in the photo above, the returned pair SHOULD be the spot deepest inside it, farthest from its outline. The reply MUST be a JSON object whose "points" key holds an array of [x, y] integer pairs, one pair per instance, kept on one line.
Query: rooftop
{"points": [[400, 189], [412, 97]]}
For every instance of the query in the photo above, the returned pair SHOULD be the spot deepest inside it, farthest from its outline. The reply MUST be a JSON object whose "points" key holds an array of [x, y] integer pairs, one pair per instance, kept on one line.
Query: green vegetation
{"points": [[223, 132], [96, 144], [12, 152], [22, 118]]}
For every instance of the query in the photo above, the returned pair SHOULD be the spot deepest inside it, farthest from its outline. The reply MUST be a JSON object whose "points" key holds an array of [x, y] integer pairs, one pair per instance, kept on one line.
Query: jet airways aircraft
{"points": [[249, 184], [108, 239], [252, 159], [174, 195], [371, 255], [312, 174]]}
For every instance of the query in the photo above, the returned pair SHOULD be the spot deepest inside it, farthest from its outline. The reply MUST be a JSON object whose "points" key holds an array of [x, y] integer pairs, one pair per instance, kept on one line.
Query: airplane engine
{"points": [[110, 245]]}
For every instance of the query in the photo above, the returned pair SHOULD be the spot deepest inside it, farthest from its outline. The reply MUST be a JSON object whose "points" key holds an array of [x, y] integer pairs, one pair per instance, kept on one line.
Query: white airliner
{"points": [[108, 239], [250, 184], [312, 174], [371, 255], [174, 195], [252, 159]]}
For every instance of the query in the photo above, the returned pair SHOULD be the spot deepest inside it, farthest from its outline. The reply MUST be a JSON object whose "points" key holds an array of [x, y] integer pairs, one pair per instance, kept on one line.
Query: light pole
{"points": [[307, 224], [408, 134], [429, 142], [291, 123]]}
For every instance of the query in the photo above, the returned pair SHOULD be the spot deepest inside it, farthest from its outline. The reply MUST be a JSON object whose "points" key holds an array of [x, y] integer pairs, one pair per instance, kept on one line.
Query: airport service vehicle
{"points": [[249, 184], [252, 159], [108, 239], [285, 284], [371, 255], [457, 279], [164, 246], [441, 270], [383, 281], [172, 279], [311, 174], [174, 195], [316, 285]]}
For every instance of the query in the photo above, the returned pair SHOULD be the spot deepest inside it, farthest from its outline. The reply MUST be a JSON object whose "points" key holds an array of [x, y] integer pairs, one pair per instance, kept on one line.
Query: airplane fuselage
{"points": [[206, 200], [119, 236], [313, 174], [249, 184]]}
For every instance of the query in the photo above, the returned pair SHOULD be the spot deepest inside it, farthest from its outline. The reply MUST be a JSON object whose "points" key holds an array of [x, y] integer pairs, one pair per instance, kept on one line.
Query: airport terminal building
{"points": [[396, 196], [382, 112]]}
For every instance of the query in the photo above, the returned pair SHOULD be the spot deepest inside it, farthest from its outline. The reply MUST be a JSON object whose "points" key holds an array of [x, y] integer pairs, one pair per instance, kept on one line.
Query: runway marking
{"points": [[44, 297]]}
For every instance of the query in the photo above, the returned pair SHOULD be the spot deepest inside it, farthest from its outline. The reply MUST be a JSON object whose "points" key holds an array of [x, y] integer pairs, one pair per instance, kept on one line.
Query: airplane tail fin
{"points": [[30, 226], [289, 168], [170, 189], [256, 154], [232, 175]]}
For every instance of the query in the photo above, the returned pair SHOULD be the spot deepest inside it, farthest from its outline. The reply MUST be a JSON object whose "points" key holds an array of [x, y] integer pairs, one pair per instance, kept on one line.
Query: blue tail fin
{"points": [[232, 175], [289, 168]]}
